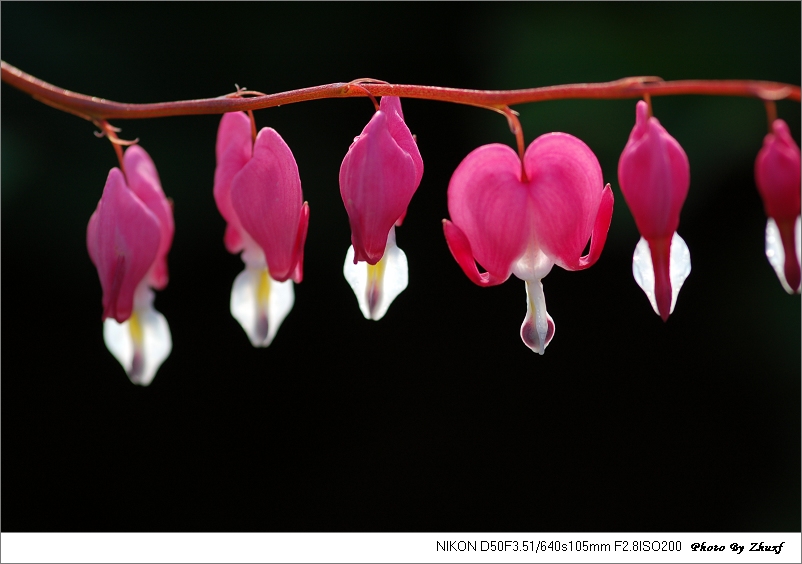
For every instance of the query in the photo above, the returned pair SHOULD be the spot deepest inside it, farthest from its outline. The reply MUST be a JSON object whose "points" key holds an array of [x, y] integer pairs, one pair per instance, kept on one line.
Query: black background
{"points": [[437, 417]]}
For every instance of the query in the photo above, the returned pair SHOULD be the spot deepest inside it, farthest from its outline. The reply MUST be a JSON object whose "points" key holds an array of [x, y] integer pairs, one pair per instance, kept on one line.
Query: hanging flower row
{"points": [[510, 214]]}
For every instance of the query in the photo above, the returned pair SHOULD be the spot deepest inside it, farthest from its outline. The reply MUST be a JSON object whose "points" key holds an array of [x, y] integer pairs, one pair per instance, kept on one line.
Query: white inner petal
{"points": [[776, 253], [260, 304], [534, 264], [376, 286], [679, 267], [537, 329], [142, 343]]}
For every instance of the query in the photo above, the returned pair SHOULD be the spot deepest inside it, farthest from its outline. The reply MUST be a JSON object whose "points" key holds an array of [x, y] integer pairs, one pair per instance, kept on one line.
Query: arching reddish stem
{"points": [[89, 107]]}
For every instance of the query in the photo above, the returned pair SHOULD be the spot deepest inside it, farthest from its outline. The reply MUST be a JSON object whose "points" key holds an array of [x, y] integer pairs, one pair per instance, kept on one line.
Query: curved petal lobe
{"points": [[460, 248]]}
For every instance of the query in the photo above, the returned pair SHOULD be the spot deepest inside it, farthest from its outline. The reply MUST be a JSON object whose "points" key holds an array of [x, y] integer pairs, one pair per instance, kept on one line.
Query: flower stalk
{"points": [[93, 108]]}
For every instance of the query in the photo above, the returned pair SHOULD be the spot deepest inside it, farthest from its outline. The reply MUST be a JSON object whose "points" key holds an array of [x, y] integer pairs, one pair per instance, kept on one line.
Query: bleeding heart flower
{"points": [[258, 191], [128, 238], [777, 174], [524, 226], [378, 177], [654, 175]]}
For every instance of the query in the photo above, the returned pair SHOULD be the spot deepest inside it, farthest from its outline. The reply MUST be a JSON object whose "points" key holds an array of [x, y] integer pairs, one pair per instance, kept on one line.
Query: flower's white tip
{"points": [[142, 343], [376, 286], [679, 268], [775, 252], [537, 330], [260, 304]]}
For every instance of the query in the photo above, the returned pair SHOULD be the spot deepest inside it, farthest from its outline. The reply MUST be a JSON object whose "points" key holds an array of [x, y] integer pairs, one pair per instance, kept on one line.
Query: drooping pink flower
{"points": [[378, 178], [257, 189], [128, 238], [524, 227], [777, 174], [654, 175]]}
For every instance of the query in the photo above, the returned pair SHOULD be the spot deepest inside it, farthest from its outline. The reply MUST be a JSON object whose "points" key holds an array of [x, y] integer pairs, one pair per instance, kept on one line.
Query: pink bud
{"points": [[514, 227], [654, 175], [266, 196], [257, 189], [378, 177], [129, 234], [128, 238], [777, 174]]}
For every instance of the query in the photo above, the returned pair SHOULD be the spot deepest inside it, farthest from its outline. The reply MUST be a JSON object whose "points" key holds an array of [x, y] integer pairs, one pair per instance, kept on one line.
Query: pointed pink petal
{"points": [[377, 180], [566, 189], [266, 197], [144, 182], [491, 207], [300, 241], [600, 230], [777, 173], [460, 248], [654, 175], [123, 239], [233, 149]]}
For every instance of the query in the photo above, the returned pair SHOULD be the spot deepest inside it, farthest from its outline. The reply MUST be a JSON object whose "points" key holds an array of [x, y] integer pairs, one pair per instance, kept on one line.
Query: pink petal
{"points": [[491, 208], [777, 173], [599, 236], [144, 182], [233, 149], [460, 248], [378, 177], [300, 241], [391, 105], [123, 239], [654, 175], [566, 190], [266, 197]]}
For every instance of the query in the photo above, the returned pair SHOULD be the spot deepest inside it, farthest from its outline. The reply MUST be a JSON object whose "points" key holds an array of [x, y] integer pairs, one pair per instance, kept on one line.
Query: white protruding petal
{"points": [[392, 279], [140, 360], [679, 267], [259, 318], [776, 253], [537, 330]]}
